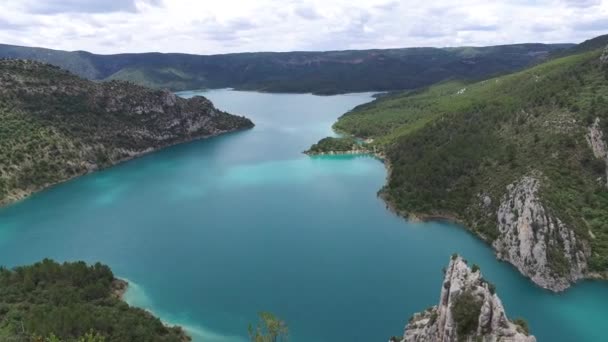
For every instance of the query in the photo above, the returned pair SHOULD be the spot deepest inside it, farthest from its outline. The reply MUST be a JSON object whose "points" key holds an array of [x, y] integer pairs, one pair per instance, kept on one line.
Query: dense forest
{"points": [[73, 302], [327, 72], [335, 145]]}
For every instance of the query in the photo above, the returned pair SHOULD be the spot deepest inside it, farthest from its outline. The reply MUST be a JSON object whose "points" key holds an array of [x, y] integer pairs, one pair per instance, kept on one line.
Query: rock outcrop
{"points": [[468, 310], [595, 139], [604, 56], [536, 241]]}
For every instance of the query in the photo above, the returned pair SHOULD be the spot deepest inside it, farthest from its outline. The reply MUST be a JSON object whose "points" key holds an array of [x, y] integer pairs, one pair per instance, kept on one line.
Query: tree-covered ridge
{"points": [[336, 145], [319, 72], [72, 302], [455, 147], [55, 125]]}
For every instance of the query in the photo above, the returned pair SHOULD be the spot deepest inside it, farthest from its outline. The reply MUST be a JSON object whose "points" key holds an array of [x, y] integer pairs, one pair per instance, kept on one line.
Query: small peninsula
{"points": [[337, 145], [55, 126]]}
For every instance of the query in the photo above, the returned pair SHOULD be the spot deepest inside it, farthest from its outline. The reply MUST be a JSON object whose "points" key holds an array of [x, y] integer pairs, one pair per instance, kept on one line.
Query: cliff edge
{"points": [[468, 310]]}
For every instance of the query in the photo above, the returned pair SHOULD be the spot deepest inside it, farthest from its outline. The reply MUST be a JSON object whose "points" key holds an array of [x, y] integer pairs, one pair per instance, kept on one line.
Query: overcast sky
{"points": [[219, 26]]}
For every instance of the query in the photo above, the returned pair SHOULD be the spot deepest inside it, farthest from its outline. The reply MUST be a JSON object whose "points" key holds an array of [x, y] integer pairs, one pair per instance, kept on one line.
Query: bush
{"points": [[523, 324]]}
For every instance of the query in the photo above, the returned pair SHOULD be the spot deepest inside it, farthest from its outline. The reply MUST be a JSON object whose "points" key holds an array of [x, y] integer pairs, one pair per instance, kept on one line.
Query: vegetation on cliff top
{"points": [[455, 144], [68, 302], [54, 125]]}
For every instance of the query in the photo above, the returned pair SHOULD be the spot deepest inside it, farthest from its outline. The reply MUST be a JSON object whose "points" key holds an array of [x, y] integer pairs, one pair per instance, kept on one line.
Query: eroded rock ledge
{"points": [[468, 310], [536, 241]]}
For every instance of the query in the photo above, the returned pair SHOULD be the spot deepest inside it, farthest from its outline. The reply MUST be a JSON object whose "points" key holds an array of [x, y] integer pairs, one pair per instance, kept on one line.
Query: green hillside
{"points": [[455, 147]]}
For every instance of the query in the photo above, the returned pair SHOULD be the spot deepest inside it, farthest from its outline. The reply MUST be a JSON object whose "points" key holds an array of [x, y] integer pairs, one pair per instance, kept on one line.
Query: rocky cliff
{"points": [[468, 310], [55, 126], [536, 241], [595, 139]]}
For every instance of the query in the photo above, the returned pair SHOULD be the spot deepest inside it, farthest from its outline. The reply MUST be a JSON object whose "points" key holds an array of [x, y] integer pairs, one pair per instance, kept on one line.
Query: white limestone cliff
{"points": [[439, 323]]}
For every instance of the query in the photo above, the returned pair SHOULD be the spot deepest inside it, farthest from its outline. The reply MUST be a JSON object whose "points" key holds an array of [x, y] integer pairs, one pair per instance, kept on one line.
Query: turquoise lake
{"points": [[213, 231]]}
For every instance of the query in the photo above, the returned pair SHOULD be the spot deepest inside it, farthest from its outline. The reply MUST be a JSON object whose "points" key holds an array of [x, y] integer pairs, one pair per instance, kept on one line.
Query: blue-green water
{"points": [[213, 231]]}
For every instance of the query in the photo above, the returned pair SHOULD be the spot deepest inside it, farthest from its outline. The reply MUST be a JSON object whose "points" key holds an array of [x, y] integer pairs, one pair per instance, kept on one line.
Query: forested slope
{"points": [[519, 159]]}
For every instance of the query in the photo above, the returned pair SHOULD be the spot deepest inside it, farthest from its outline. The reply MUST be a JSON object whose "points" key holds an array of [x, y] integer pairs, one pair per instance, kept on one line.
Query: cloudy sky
{"points": [[219, 26]]}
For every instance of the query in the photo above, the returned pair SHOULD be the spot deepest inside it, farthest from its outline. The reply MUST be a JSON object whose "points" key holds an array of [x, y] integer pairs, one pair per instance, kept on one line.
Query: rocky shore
{"points": [[534, 240], [531, 237]]}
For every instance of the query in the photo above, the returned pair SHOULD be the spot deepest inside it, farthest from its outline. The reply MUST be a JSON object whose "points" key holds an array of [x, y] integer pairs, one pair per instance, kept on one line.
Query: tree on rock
{"points": [[269, 329]]}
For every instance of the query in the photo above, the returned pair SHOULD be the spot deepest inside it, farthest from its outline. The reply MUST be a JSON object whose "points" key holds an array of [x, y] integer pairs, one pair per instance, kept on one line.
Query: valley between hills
{"points": [[507, 140]]}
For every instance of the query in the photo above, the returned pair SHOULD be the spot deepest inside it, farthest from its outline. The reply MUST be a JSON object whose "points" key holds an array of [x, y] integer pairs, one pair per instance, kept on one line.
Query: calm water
{"points": [[211, 232]]}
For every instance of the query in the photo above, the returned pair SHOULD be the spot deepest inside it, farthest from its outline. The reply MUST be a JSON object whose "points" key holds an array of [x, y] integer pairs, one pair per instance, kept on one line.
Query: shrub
{"points": [[523, 324], [466, 310]]}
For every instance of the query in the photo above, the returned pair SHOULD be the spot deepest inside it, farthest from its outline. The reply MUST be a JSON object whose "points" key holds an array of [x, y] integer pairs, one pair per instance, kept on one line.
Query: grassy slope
{"points": [[452, 143], [69, 300]]}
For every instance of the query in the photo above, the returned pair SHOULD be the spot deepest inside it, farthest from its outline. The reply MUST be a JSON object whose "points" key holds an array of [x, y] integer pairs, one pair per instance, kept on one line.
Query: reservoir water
{"points": [[211, 232]]}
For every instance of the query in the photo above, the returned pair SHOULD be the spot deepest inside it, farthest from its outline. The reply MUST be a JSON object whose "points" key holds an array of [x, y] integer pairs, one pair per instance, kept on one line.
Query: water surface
{"points": [[211, 232]]}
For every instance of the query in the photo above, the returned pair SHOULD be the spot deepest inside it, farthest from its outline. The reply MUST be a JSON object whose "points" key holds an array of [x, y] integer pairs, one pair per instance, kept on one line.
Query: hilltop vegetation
{"points": [[54, 125], [319, 72], [457, 148], [72, 302], [334, 145]]}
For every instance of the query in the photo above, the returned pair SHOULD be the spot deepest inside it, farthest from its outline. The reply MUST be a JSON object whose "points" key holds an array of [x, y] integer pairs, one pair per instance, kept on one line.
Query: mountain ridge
{"points": [[326, 72]]}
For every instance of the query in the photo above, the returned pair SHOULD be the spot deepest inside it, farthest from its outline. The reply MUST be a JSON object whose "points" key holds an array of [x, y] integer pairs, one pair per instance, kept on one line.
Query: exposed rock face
{"points": [[537, 242], [604, 57], [439, 323], [595, 138]]}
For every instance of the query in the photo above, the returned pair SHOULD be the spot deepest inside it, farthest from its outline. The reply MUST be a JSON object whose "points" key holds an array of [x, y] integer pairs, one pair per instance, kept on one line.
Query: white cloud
{"points": [[206, 26]]}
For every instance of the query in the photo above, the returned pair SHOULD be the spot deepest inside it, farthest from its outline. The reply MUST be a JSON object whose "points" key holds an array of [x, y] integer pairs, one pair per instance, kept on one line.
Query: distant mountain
{"points": [[588, 45], [520, 159], [319, 72], [55, 125]]}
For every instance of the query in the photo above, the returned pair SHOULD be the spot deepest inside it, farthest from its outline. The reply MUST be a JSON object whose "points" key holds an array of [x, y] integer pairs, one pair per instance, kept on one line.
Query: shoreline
{"points": [[119, 288], [337, 153], [443, 217], [19, 195]]}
